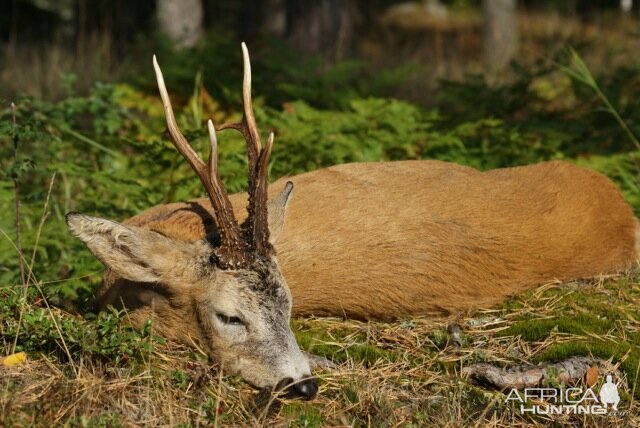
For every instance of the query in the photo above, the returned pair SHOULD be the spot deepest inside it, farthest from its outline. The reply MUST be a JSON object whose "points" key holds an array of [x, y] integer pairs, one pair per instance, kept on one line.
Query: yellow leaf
{"points": [[14, 359]]}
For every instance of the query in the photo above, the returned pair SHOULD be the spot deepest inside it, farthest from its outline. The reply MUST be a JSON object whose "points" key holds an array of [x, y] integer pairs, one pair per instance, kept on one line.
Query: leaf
{"points": [[592, 376], [14, 359]]}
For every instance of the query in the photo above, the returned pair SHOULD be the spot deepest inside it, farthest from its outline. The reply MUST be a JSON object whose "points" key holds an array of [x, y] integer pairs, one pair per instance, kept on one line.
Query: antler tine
{"points": [[260, 223], [213, 153], [256, 223], [230, 253], [247, 101], [178, 139], [223, 206], [247, 126]]}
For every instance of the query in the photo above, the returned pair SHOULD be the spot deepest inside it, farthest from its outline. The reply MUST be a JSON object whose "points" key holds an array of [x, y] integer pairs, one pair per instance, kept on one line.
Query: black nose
{"points": [[305, 389]]}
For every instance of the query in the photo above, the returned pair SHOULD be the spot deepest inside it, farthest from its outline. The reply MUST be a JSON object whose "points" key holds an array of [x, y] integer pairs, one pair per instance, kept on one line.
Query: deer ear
{"points": [[134, 253], [277, 212]]}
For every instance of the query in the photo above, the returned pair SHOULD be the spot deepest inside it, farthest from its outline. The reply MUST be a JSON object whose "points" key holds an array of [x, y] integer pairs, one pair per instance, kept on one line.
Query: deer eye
{"points": [[229, 320]]}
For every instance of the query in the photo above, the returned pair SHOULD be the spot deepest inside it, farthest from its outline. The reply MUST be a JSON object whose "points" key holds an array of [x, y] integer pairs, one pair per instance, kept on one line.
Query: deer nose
{"points": [[305, 389]]}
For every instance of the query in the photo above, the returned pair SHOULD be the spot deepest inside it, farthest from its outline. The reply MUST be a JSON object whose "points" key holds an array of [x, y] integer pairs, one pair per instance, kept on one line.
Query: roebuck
{"points": [[373, 240]]}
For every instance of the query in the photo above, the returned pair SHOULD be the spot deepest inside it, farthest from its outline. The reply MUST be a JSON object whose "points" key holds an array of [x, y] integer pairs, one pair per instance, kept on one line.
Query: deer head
{"points": [[242, 301]]}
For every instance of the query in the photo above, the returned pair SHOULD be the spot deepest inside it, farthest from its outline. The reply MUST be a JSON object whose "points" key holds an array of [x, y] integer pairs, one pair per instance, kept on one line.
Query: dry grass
{"points": [[390, 374]]}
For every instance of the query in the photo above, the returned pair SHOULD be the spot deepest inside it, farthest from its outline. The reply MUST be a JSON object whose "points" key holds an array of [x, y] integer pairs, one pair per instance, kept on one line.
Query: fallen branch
{"points": [[568, 371]]}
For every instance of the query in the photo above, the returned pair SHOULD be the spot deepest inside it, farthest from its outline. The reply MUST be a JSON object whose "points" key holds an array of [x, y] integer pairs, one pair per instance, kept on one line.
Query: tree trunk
{"points": [[500, 34], [626, 5], [275, 12], [321, 27], [181, 21]]}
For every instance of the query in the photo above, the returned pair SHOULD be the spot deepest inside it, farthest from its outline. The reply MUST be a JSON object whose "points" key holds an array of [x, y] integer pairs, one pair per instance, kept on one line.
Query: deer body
{"points": [[385, 240]]}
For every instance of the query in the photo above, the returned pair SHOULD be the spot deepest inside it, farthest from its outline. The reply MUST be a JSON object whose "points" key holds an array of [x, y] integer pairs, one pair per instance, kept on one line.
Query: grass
{"points": [[389, 374]]}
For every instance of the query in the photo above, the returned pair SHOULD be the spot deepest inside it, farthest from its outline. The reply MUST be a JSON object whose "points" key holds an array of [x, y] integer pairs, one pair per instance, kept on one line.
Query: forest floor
{"points": [[406, 373]]}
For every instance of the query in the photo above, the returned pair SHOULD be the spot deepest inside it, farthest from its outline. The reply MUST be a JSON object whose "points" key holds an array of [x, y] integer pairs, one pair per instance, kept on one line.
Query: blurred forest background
{"points": [[484, 83], [53, 46]]}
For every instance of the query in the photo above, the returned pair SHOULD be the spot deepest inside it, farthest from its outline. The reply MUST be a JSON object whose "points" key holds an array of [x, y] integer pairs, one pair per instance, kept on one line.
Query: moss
{"points": [[316, 343], [331, 347], [540, 329]]}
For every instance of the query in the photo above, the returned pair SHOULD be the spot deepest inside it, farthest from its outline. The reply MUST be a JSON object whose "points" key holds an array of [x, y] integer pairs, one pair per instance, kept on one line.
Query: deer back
{"points": [[383, 240]]}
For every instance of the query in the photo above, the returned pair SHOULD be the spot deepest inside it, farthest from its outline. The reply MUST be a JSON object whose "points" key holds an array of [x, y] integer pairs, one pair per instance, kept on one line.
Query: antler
{"points": [[232, 251], [256, 225]]}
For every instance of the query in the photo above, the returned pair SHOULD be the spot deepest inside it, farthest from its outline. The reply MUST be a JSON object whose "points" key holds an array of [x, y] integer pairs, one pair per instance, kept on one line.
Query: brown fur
{"points": [[383, 240]]}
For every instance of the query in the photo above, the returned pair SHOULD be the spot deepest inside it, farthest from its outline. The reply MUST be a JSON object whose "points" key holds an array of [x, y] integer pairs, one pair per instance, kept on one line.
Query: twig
{"points": [[568, 371], [43, 218], [16, 188]]}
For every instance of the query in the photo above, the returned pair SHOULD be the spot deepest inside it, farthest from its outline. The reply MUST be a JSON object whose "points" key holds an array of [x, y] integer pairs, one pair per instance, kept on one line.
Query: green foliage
{"points": [[579, 71], [559, 101], [371, 129], [181, 379], [38, 329], [279, 73]]}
